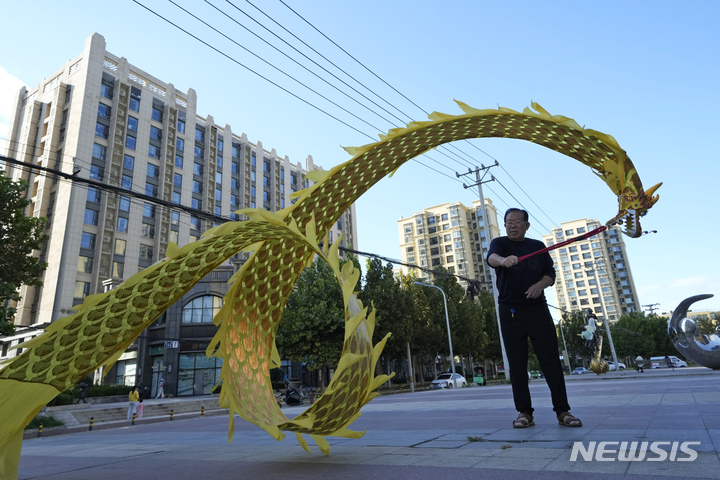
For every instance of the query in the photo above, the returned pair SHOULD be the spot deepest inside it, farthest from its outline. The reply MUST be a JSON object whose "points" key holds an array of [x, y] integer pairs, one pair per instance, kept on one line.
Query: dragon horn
{"points": [[649, 192]]}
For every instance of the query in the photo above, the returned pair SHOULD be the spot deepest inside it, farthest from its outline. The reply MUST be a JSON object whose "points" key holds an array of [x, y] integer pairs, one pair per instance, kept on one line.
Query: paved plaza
{"points": [[459, 434]]}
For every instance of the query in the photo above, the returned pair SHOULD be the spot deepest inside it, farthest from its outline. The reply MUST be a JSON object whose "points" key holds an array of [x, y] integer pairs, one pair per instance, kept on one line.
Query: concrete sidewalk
{"points": [[465, 433]]}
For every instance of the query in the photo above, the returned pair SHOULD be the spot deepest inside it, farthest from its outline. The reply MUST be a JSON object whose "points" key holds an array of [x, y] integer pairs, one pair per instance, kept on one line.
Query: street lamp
{"points": [[447, 321], [607, 326]]}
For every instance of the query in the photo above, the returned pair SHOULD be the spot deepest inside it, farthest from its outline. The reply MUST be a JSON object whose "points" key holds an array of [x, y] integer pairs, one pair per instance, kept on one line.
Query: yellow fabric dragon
{"points": [[282, 244]]}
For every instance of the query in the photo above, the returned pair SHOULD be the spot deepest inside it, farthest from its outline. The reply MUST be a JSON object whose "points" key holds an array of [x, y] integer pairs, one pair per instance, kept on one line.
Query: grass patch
{"points": [[46, 421]]}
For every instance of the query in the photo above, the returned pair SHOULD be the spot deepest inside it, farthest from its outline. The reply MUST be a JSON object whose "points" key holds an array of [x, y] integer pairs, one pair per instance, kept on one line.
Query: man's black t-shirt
{"points": [[512, 283]]}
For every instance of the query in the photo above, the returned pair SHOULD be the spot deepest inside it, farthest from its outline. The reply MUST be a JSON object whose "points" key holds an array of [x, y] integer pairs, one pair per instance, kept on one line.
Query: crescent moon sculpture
{"points": [[698, 347]]}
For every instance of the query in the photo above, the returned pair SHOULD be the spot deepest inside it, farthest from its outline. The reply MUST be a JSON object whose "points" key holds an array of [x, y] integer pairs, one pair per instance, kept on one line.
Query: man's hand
{"points": [[534, 291], [510, 261]]}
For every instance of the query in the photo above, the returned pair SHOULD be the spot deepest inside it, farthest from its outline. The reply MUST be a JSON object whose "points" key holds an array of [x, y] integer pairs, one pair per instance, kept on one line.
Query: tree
{"points": [[572, 325], [635, 334], [394, 308], [19, 236], [312, 327]]}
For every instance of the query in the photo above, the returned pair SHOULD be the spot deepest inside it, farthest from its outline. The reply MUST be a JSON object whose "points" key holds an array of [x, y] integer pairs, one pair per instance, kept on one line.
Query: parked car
{"points": [[579, 371], [445, 380], [535, 374], [660, 362], [620, 365]]}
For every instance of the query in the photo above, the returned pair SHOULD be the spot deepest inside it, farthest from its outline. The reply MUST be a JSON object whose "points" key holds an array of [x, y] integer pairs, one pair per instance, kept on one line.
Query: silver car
{"points": [[445, 380]]}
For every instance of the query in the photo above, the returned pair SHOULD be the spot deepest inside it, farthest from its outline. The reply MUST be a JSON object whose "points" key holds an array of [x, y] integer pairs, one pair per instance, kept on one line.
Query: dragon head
{"points": [[632, 206]]}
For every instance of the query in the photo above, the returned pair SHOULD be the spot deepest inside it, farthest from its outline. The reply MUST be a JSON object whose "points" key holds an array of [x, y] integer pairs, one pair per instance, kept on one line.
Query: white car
{"points": [[445, 380], [620, 365]]}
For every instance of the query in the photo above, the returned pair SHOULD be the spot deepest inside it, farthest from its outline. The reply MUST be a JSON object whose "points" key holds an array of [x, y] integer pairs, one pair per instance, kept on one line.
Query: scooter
{"points": [[292, 396]]}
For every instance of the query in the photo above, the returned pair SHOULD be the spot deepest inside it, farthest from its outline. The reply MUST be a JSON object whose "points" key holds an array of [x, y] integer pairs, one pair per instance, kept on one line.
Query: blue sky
{"points": [[645, 72]]}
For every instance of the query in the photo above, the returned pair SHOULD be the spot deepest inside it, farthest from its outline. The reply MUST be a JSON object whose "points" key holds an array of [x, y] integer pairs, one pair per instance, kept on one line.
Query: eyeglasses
{"points": [[514, 223]]}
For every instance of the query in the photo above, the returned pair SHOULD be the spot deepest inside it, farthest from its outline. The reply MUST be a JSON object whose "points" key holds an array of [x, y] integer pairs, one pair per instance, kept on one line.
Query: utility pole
{"points": [[486, 230], [607, 325], [652, 307]]}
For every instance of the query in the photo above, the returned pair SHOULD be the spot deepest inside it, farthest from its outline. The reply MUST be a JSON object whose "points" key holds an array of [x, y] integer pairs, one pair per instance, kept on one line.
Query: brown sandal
{"points": [[524, 420], [566, 419]]}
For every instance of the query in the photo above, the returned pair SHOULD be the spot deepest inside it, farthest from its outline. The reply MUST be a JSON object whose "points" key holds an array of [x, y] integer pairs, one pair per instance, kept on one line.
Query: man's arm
{"points": [[496, 261], [536, 289]]}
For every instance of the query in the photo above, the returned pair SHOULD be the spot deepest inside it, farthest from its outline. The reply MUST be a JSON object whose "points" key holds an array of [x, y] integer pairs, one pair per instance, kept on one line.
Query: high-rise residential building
{"points": [[99, 117], [452, 236], [593, 273]]}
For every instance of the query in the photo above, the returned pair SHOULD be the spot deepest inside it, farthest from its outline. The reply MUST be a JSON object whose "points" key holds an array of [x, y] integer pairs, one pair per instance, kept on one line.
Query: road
{"points": [[460, 434]]}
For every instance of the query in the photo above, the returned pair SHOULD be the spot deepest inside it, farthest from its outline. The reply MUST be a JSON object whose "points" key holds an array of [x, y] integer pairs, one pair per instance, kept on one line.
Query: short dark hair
{"points": [[513, 209]]}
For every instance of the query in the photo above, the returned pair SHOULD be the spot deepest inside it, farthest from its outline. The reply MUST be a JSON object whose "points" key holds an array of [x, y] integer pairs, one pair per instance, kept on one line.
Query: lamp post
{"points": [[447, 321], [607, 326]]}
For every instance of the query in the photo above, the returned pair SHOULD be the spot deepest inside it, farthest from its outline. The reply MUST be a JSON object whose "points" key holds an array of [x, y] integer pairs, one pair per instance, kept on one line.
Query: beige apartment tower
{"points": [[450, 235], [101, 118], [593, 274]]}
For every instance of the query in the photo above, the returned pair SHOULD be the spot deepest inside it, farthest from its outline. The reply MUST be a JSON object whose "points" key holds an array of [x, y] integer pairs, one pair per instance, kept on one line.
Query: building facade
{"points": [[101, 118], [593, 273], [452, 236]]}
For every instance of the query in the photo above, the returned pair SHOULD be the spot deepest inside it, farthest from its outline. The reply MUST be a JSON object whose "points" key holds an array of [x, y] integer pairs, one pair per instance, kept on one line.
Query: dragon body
{"points": [[282, 244]]}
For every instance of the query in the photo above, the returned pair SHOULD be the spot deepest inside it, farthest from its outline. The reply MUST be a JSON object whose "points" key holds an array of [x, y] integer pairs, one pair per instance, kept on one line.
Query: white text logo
{"points": [[634, 451]]}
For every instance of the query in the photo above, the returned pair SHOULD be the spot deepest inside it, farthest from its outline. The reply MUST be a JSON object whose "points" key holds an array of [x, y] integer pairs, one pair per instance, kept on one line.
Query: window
{"points": [[181, 125], [202, 309], [149, 210], [118, 270], [581, 230], [146, 253], [199, 135], [155, 133], [151, 190], [219, 161], [124, 204], [568, 232], [135, 94], [179, 161], [82, 289], [218, 177], [197, 186], [218, 212], [218, 195], [180, 144], [153, 171], [129, 162], [220, 145], [120, 245], [197, 169], [194, 223], [148, 231], [91, 217], [126, 182], [104, 111], [175, 218], [266, 196], [107, 92], [446, 238], [234, 184], [199, 152], [176, 198], [153, 151], [85, 264], [235, 166], [130, 142], [88, 240], [122, 224], [174, 236], [449, 259], [177, 180], [132, 124], [196, 204], [96, 173], [99, 152], [157, 114], [93, 195]]}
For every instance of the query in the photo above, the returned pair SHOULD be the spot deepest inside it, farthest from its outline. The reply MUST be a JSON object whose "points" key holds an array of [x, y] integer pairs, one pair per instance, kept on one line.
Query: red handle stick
{"points": [[566, 242]]}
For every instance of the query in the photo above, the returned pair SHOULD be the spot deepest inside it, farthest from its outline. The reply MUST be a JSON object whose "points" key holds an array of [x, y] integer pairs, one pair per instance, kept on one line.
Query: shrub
{"points": [[65, 398], [45, 420]]}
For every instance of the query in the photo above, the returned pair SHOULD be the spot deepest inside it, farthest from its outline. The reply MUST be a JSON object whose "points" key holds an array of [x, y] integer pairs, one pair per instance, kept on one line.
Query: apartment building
{"points": [[452, 236], [99, 117], [593, 273]]}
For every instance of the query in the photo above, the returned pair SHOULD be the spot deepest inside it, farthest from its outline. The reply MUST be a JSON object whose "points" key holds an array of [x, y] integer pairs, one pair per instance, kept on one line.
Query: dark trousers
{"points": [[533, 322]]}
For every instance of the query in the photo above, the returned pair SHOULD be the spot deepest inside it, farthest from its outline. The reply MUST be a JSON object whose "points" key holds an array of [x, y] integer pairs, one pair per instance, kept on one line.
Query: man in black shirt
{"points": [[524, 314]]}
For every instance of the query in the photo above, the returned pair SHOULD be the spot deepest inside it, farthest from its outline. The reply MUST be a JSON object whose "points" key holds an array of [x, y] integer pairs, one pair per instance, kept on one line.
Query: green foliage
{"points": [[19, 236], [65, 398], [312, 327], [46, 421], [709, 324], [635, 334], [572, 327], [394, 307]]}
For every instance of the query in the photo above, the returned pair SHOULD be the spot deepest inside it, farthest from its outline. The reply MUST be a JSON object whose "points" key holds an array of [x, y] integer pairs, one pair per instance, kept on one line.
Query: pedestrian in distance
{"points": [[161, 388], [524, 314], [82, 394], [133, 398], [640, 363], [669, 363], [139, 409]]}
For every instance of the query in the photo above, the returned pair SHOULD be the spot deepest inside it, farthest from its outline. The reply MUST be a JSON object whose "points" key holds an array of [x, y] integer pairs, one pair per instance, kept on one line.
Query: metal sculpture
{"points": [[701, 348]]}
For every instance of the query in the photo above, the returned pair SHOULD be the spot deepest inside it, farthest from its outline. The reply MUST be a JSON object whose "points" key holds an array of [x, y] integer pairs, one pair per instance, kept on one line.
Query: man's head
{"points": [[516, 224]]}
